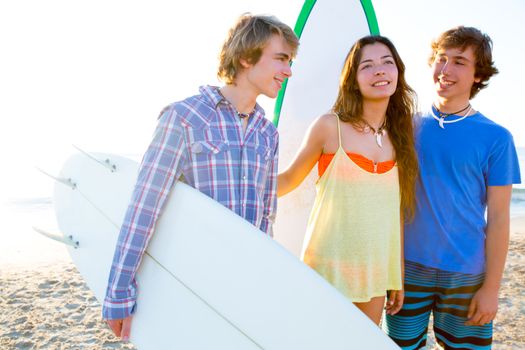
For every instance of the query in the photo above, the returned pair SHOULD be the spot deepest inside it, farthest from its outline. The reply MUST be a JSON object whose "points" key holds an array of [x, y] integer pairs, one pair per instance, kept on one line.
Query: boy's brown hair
{"points": [[463, 37]]}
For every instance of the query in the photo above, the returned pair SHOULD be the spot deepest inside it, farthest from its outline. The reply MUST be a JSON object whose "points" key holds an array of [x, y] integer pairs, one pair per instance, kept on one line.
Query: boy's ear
{"points": [[477, 79], [244, 63]]}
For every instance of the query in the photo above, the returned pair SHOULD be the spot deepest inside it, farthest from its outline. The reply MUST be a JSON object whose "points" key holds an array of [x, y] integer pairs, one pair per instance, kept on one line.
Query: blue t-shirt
{"points": [[456, 165]]}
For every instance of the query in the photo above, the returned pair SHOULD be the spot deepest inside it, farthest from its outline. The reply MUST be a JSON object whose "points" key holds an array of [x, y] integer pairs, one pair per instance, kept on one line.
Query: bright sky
{"points": [[96, 74]]}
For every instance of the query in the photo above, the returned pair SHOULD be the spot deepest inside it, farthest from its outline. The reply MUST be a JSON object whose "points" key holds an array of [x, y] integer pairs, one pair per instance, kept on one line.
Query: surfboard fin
{"points": [[105, 163], [64, 181], [59, 237]]}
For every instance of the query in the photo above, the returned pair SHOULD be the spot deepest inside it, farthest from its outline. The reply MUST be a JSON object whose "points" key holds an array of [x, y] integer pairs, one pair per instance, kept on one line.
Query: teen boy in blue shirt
{"points": [[454, 257]]}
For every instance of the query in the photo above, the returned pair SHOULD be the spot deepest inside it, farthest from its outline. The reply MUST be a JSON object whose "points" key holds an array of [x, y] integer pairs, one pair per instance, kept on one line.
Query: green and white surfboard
{"points": [[327, 30]]}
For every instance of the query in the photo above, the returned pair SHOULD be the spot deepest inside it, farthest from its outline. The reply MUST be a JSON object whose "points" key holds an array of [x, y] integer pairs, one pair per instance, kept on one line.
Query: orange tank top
{"points": [[360, 160]]}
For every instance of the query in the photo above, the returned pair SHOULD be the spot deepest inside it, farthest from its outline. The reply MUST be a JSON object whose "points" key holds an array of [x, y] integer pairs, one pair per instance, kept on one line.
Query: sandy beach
{"points": [[46, 304]]}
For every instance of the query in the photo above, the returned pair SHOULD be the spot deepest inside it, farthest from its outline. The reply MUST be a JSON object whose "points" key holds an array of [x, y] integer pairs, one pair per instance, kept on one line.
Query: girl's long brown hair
{"points": [[399, 116]]}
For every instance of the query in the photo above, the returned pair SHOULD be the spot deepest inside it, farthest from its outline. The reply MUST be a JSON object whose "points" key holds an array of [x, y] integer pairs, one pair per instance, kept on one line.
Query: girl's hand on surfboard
{"points": [[395, 301], [121, 327]]}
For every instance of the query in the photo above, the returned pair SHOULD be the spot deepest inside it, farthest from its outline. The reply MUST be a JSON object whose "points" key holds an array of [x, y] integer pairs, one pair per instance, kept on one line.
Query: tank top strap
{"points": [[338, 129]]}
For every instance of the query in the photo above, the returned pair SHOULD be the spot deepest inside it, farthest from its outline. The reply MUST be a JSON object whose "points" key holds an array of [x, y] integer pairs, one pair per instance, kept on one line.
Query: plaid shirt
{"points": [[199, 141]]}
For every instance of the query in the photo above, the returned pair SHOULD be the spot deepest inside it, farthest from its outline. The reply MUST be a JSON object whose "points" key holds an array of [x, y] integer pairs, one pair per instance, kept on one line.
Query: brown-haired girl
{"points": [[367, 168]]}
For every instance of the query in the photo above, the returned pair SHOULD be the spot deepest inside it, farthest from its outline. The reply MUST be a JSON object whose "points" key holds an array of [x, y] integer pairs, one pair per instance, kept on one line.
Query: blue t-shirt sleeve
{"points": [[503, 163]]}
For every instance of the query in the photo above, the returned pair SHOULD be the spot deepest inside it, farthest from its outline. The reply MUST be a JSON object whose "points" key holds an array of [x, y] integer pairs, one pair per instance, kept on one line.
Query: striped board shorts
{"points": [[447, 296]]}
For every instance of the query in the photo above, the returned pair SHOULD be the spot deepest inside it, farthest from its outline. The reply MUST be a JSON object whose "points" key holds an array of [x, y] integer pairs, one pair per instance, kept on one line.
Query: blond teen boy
{"points": [[218, 142]]}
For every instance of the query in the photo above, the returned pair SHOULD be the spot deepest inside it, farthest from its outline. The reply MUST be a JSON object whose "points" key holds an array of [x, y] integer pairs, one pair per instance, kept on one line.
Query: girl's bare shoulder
{"points": [[325, 122]]}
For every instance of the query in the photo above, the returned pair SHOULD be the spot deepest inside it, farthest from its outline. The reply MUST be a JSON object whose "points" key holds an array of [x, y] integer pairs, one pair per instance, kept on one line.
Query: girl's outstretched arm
{"points": [[308, 154]]}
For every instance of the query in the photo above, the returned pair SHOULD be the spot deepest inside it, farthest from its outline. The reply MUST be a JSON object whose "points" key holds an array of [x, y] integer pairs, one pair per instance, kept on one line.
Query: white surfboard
{"points": [[328, 30], [209, 279]]}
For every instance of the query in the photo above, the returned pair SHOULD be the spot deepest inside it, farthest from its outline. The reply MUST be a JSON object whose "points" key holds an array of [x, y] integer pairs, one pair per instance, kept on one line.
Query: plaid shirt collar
{"points": [[214, 97]]}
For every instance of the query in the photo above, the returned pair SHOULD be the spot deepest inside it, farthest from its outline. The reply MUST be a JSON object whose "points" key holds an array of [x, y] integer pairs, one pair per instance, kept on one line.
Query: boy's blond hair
{"points": [[247, 39]]}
